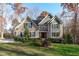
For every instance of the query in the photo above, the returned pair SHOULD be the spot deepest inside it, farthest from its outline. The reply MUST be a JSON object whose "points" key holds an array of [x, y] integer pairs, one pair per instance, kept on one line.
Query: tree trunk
{"points": [[75, 29], [45, 42]]}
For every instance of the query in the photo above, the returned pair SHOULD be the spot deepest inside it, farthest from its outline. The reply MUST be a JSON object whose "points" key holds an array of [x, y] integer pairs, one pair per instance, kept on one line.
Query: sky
{"points": [[53, 8]]}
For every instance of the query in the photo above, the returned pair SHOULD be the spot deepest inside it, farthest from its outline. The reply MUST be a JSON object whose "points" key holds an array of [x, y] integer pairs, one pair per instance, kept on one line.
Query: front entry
{"points": [[43, 34]]}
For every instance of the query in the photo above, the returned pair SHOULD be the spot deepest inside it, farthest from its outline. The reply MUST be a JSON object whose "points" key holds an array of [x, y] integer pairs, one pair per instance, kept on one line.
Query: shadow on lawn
{"points": [[31, 44], [17, 53], [34, 50]]}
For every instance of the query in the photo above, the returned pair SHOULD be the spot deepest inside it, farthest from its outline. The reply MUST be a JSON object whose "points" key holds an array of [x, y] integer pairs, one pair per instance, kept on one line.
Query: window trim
{"points": [[32, 34], [55, 26], [55, 34]]}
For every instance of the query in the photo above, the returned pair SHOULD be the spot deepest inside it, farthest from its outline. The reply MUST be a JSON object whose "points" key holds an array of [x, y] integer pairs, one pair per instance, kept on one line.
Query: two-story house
{"points": [[48, 27]]}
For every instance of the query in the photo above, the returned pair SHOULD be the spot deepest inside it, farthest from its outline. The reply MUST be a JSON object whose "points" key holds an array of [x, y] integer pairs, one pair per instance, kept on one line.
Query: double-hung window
{"points": [[32, 34], [55, 26], [55, 34]]}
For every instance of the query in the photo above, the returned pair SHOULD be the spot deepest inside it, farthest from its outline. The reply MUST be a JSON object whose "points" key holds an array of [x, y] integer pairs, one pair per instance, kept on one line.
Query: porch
{"points": [[43, 34]]}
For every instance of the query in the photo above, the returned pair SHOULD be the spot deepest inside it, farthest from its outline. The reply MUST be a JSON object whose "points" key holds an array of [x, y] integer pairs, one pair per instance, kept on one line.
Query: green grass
{"points": [[28, 49]]}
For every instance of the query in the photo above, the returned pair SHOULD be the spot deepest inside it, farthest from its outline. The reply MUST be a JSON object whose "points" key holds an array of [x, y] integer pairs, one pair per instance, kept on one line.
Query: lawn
{"points": [[28, 49]]}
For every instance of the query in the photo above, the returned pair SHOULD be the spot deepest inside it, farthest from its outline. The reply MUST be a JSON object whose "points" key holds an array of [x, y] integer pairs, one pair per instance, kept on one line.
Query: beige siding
{"points": [[18, 30], [33, 29], [59, 30], [21, 29]]}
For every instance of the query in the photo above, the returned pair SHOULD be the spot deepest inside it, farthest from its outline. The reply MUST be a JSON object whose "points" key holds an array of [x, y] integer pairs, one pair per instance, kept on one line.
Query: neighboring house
{"points": [[48, 27]]}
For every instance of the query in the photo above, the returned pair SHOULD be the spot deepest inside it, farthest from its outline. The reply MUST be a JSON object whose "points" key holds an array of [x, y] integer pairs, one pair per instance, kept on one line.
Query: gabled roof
{"points": [[47, 18], [58, 20], [41, 21], [38, 20], [22, 22]]}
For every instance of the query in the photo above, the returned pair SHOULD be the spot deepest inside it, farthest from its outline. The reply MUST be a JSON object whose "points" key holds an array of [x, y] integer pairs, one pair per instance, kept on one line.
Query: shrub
{"points": [[68, 38], [35, 42], [16, 38], [52, 40], [8, 35], [38, 44], [26, 33], [24, 38]]}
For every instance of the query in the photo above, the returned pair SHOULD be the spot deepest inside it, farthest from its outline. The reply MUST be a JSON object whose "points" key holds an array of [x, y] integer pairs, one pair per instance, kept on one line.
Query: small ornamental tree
{"points": [[24, 37], [26, 33]]}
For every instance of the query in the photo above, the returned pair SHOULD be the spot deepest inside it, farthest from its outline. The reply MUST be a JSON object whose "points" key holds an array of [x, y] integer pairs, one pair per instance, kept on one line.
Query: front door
{"points": [[43, 35]]}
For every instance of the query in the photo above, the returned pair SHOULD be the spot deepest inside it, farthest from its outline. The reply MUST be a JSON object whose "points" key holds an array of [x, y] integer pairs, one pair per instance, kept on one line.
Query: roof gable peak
{"points": [[45, 19]]}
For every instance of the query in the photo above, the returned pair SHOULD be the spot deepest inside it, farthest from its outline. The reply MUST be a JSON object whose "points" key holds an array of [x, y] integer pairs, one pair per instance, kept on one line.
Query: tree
{"points": [[43, 14], [15, 22], [2, 24], [33, 12], [26, 33], [2, 18], [72, 7], [18, 10]]}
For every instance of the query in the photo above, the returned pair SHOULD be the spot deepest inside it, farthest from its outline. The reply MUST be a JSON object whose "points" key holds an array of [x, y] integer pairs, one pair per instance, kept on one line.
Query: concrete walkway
{"points": [[7, 41]]}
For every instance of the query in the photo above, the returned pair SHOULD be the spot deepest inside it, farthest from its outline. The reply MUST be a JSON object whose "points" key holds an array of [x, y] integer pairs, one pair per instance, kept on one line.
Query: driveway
{"points": [[6, 40]]}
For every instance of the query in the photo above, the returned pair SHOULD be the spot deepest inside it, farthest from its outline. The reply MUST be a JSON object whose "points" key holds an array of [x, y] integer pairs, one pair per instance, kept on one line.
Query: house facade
{"points": [[48, 27]]}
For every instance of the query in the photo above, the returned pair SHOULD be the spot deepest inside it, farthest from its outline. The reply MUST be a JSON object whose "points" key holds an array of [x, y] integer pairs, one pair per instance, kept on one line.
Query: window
{"points": [[55, 34], [55, 26], [43, 28], [21, 34], [32, 34], [30, 25], [15, 33]]}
